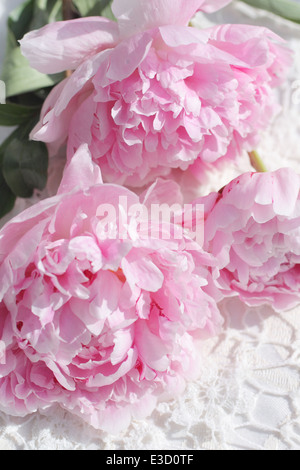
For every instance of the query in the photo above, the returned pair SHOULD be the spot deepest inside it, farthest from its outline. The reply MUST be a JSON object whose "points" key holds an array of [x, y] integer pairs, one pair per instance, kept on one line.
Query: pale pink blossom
{"points": [[253, 228], [102, 326], [150, 94]]}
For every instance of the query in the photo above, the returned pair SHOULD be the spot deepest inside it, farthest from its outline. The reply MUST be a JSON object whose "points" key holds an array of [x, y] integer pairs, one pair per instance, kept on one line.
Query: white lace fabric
{"points": [[247, 396]]}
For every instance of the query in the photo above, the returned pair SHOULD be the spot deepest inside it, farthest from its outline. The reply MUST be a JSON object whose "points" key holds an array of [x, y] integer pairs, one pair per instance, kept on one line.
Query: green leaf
{"points": [[45, 12], [24, 162], [95, 8], [12, 114], [20, 19], [20, 78], [32, 100], [107, 13], [7, 197], [286, 8], [17, 74], [34, 14]]}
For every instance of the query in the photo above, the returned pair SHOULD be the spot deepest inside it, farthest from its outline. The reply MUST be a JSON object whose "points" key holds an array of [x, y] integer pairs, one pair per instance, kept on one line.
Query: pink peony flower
{"points": [[101, 325], [150, 94], [253, 229]]}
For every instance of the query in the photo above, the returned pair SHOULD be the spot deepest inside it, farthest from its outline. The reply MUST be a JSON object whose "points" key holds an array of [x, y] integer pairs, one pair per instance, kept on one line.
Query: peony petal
{"points": [[139, 15], [250, 229], [151, 348], [64, 45], [65, 381], [241, 33], [162, 192], [210, 6], [80, 130], [106, 298], [81, 172], [123, 340], [51, 128], [285, 191], [79, 80], [142, 272], [114, 373], [127, 56], [20, 251]]}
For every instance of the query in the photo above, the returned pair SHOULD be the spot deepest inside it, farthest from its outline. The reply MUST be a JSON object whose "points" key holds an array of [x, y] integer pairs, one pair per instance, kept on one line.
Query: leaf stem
{"points": [[257, 162], [68, 12]]}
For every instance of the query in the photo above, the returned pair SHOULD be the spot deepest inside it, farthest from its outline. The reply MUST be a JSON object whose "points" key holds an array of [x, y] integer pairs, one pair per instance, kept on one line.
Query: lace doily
{"points": [[247, 396]]}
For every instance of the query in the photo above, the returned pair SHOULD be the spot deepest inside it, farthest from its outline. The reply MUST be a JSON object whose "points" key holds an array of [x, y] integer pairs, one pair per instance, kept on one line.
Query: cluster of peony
{"points": [[104, 325]]}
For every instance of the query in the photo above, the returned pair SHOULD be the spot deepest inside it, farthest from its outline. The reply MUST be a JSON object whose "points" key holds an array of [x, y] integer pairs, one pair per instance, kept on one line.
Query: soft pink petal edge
{"points": [[64, 45], [139, 15]]}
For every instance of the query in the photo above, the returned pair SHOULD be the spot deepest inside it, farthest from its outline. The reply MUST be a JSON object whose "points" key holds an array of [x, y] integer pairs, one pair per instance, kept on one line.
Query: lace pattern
{"points": [[247, 396]]}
